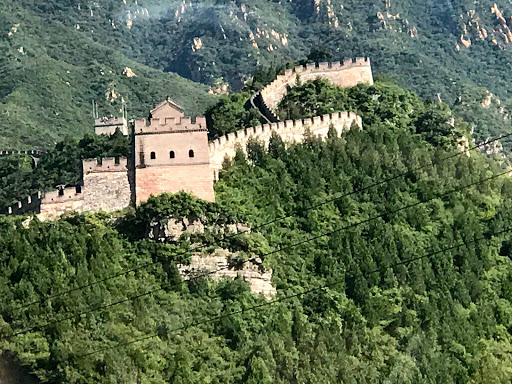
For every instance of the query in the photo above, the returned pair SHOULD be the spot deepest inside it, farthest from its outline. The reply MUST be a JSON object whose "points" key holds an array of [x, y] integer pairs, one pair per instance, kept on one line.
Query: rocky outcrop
{"points": [[172, 229], [219, 265], [491, 148], [128, 72]]}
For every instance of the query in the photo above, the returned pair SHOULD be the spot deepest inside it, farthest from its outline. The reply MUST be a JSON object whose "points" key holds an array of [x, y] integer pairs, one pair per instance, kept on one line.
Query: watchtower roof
{"points": [[168, 103]]}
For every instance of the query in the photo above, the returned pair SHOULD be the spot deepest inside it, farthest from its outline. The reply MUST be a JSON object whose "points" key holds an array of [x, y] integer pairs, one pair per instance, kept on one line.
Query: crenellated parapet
{"points": [[107, 164], [108, 125], [289, 130], [33, 152], [26, 205], [347, 73], [50, 205], [62, 195], [169, 125]]}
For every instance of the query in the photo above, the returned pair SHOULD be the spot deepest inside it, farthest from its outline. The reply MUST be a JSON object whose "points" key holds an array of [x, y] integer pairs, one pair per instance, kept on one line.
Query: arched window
{"points": [[153, 155], [172, 155], [191, 153]]}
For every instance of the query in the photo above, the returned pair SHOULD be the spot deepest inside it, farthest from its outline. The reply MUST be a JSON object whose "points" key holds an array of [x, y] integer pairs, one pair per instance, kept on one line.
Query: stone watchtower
{"points": [[171, 154]]}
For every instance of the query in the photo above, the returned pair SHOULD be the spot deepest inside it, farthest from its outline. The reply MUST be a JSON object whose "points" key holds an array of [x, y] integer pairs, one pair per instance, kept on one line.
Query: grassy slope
{"points": [[46, 92]]}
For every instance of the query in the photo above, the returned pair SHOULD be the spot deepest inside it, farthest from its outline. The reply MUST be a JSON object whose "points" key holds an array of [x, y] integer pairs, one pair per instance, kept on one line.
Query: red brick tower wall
{"points": [[164, 161]]}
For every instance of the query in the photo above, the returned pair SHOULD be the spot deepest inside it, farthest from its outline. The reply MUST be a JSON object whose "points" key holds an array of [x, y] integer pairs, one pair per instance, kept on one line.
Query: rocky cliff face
{"points": [[220, 263]]}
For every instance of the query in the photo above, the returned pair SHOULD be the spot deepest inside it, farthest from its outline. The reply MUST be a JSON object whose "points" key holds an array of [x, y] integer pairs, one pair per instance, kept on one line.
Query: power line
{"points": [[279, 249], [292, 296], [280, 218]]}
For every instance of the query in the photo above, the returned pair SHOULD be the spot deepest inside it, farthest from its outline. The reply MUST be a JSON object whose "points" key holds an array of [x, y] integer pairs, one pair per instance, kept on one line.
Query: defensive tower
{"points": [[107, 184], [108, 125], [171, 154]]}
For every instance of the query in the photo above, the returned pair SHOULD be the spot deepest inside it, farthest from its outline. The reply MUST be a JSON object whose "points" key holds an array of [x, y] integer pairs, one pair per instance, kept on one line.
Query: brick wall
{"points": [[195, 178], [345, 74], [288, 130], [106, 185], [172, 155], [57, 203]]}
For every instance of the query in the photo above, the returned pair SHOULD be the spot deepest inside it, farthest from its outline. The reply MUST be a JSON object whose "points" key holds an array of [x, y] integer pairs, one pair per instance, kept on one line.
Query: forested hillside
{"points": [[390, 250]]}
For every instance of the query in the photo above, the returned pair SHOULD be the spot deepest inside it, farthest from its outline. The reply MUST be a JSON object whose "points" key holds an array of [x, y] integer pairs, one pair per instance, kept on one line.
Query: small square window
{"points": [[153, 155]]}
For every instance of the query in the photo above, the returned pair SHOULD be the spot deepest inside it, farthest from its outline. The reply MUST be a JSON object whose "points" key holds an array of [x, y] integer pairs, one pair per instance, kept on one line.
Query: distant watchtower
{"points": [[108, 125], [171, 154]]}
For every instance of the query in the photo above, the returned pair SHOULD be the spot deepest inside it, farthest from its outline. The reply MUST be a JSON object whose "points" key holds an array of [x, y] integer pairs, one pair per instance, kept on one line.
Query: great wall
{"points": [[171, 152], [289, 130]]}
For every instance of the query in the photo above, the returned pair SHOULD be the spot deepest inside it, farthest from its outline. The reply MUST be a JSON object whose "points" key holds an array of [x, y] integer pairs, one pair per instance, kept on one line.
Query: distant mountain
{"points": [[454, 50]]}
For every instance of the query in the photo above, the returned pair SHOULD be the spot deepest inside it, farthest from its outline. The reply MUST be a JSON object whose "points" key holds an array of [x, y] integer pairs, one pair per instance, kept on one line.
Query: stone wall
{"points": [[216, 266], [51, 205], [194, 178], [108, 125], [57, 203], [288, 130], [31, 204], [346, 74], [106, 185]]}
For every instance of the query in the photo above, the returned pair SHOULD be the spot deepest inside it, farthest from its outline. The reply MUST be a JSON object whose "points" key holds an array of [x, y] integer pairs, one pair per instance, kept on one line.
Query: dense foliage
{"points": [[382, 102], [379, 317], [230, 114], [59, 166]]}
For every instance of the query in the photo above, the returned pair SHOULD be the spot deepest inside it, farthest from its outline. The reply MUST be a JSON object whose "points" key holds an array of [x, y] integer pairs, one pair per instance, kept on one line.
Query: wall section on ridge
{"points": [[289, 131], [345, 74]]}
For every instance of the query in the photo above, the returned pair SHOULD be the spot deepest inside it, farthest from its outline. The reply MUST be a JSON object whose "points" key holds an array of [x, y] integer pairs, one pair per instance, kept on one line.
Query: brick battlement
{"points": [[61, 195], [107, 164], [26, 205], [50, 205], [289, 130], [346, 74], [170, 124], [33, 152]]}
